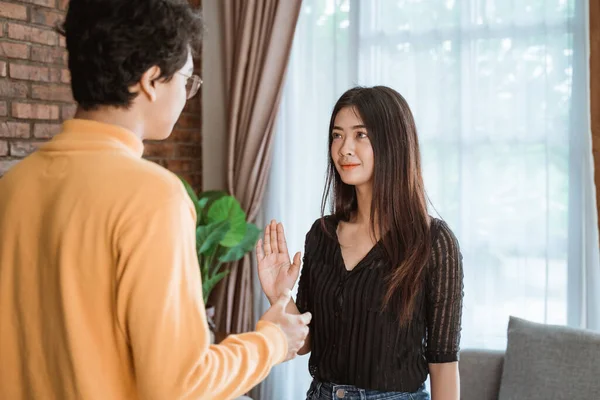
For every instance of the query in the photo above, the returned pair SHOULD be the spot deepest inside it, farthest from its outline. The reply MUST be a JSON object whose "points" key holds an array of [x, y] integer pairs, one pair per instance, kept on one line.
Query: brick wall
{"points": [[35, 96]]}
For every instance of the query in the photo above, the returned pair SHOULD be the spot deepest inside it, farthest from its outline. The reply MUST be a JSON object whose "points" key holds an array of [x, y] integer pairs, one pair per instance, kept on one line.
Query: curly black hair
{"points": [[111, 43]]}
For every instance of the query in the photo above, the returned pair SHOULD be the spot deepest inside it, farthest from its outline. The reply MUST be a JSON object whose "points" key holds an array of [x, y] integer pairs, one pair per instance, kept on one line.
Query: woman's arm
{"points": [[277, 274], [445, 381], [444, 296]]}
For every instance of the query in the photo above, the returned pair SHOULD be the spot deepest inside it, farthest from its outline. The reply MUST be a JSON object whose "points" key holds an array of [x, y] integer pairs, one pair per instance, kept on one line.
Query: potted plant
{"points": [[222, 236]]}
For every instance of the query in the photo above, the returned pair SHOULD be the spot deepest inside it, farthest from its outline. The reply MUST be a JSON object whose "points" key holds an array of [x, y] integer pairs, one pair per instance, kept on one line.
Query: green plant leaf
{"points": [[211, 195], [247, 244], [205, 200], [190, 191], [228, 209], [209, 236], [204, 262], [209, 284]]}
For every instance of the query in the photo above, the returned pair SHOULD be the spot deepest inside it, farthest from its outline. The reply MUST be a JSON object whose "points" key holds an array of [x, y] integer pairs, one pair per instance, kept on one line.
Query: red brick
{"points": [[194, 105], [23, 149], [60, 75], [183, 135], [3, 148], [51, 55], [63, 4], [34, 111], [62, 42], [187, 121], [6, 165], [183, 165], [195, 179], [15, 130], [54, 75], [12, 89], [51, 92], [3, 109], [31, 34], [159, 149], [189, 151], [45, 3], [14, 50], [160, 161], [179, 165], [65, 76], [29, 72], [68, 112], [2, 68], [46, 131], [13, 11], [46, 17]]}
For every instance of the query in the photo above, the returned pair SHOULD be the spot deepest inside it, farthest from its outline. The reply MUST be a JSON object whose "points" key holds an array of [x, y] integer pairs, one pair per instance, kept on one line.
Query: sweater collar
{"points": [[83, 134]]}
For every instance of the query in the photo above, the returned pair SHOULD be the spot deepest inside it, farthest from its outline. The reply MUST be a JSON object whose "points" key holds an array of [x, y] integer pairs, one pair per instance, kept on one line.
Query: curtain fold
{"points": [[258, 37]]}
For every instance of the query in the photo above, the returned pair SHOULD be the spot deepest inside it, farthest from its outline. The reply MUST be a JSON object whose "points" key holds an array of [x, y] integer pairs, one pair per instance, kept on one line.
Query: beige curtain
{"points": [[595, 91], [258, 38]]}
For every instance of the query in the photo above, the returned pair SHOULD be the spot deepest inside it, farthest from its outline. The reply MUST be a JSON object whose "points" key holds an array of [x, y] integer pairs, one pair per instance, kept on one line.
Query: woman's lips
{"points": [[348, 167]]}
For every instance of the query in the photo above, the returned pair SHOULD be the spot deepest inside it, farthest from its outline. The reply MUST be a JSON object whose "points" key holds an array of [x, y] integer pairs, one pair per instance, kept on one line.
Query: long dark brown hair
{"points": [[399, 208]]}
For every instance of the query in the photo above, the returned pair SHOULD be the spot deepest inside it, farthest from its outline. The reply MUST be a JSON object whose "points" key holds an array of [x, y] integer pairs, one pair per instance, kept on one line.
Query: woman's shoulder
{"points": [[318, 240], [442, 234], [321, 235], [324, 225]]}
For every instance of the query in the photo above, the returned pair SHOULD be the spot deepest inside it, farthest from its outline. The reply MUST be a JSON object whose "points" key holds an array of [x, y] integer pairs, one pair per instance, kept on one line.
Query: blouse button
{"points": [[340, 393]]}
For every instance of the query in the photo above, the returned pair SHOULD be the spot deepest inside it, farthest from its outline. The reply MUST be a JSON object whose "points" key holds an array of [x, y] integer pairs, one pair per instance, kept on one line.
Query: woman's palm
{"points": [[276, 272]]}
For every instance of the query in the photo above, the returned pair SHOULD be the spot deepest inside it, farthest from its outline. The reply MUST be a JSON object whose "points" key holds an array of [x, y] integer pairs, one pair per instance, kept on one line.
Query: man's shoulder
{"points": [[151, 181]]}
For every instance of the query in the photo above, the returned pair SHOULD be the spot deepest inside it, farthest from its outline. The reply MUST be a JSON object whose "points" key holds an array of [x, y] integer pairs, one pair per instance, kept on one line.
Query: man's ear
{"points": [[147, 84]]}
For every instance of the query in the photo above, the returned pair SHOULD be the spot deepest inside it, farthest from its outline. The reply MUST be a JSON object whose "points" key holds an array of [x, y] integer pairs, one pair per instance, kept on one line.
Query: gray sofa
{"points": [[541, 362]]}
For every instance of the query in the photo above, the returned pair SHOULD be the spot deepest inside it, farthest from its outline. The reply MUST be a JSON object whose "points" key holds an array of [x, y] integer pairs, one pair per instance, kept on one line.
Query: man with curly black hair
{"points": [[100, 292]]}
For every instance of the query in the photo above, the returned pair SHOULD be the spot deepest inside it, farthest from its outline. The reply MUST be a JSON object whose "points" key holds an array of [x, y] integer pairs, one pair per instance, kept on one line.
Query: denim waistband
{"points": [[333, 391]]}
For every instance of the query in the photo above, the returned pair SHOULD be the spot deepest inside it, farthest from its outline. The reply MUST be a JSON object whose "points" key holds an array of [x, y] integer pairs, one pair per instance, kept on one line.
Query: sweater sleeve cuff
{"points": [[276, 339], [440, 358]]}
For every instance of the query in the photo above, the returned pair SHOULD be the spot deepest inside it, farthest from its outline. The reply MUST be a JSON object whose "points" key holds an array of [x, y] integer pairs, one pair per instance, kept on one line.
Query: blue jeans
{"points": [[331, 391]]}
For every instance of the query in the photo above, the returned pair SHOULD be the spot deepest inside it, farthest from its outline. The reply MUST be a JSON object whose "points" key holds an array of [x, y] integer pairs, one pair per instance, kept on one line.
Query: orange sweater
{"points": [[100, 293]]}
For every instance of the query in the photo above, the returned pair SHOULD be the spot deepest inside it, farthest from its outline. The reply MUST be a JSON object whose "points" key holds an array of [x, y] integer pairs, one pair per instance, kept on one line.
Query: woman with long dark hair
{"points": [[382, 279]]}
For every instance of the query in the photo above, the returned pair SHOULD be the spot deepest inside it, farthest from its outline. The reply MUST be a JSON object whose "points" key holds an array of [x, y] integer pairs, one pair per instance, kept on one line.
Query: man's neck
{"points": [[114, 116]]}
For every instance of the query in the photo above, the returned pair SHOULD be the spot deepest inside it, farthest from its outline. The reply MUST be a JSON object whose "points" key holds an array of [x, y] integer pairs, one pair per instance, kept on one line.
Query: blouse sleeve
{"points": [[303, 297], [444, 298]]}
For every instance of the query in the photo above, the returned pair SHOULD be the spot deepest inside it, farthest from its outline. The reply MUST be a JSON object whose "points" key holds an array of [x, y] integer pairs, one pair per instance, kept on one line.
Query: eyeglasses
{"points": [[192, 84]]}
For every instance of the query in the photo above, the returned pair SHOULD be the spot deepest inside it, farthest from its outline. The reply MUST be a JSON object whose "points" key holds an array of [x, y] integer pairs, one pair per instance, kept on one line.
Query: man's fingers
{"points": [[306, 318]]}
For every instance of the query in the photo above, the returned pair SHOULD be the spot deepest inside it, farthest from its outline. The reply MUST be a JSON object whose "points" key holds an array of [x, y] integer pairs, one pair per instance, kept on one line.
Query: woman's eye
{"points": [[336, 135], [362, 135]]}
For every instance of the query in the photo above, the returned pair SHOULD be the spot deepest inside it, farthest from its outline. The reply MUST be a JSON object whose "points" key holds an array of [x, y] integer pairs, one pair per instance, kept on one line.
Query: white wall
{"points": [[214, 141]]}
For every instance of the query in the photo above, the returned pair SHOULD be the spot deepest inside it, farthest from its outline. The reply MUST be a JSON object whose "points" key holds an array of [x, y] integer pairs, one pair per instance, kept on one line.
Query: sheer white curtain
{"points": [[499, 89], [317, 75]]}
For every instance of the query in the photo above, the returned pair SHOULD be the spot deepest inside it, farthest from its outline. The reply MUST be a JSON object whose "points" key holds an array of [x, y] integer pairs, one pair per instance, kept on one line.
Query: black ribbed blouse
{"points": [[353, 341]]}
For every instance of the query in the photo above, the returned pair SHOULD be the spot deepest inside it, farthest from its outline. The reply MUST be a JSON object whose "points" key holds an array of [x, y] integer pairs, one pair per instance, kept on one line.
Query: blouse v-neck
{"points": [[364, 260]]}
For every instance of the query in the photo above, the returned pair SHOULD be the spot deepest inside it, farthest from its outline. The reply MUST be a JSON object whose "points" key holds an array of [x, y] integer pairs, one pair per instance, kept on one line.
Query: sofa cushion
{"points": [[547, 362], [480, 374]]}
